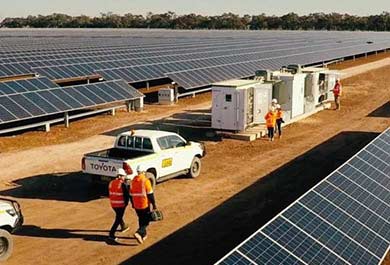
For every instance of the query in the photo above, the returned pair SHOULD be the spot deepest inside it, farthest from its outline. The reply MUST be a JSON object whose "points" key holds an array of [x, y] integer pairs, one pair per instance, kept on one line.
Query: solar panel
{"points": [[345, 219], [32, 104], [25, 85]]}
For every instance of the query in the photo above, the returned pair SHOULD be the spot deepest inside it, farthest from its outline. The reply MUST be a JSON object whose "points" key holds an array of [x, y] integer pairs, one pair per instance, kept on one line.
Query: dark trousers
{"points": [[143, 220], [279, 126], [337, 101], [119, 212], [270, 132]]}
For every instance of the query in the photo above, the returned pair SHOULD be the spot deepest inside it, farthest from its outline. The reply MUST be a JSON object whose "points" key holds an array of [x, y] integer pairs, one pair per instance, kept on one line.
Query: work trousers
{"points": [[271, 132], [143, 220], [279, 126], [119, 212], [337, 101]]}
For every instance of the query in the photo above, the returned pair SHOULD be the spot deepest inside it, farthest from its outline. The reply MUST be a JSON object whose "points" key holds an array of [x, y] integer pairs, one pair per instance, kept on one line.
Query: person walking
{"points": [[119, 198], [279, 120], [337, 93], [142, 197], [270, 120]]}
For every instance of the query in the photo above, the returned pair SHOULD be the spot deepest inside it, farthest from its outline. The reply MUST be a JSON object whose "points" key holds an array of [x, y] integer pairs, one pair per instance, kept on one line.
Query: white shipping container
{"points": [[238, 104]]}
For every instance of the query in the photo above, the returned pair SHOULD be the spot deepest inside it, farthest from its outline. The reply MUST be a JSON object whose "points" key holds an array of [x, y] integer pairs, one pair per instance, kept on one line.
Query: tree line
{"points": [[169, 20]]}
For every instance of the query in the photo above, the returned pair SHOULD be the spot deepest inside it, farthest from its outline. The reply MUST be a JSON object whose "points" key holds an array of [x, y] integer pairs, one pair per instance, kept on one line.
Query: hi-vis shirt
{"points": [[139, 190]]}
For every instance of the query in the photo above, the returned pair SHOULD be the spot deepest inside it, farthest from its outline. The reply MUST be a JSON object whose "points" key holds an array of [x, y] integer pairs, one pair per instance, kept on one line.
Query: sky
{"points": [[17, 8]]}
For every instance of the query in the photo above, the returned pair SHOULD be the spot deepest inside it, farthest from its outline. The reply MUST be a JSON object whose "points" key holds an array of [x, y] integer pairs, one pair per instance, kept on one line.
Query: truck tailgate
{"points": [[102, 166]]}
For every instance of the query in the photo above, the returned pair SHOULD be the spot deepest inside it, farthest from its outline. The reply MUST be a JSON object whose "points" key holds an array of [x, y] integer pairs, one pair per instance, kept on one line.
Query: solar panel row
{"points": [[27, 105], [25, 85], [345, 219]]}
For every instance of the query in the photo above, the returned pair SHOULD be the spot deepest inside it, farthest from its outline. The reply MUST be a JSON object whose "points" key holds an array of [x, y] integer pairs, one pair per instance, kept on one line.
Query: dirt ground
{"points": [[242, 185]]}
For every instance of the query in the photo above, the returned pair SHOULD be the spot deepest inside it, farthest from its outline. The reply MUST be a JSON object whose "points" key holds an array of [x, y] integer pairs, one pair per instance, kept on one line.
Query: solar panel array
{"points": [[191, 58], [48, 101], [345, 219]]}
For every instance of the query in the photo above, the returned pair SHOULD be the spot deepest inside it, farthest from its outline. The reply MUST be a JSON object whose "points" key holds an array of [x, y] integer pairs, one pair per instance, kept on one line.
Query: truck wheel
{"points": [[195, 168], [152, 178], [6, 245]]}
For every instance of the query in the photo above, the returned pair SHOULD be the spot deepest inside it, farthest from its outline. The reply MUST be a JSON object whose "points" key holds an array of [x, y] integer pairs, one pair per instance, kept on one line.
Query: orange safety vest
{"points": [[279, 114], [116, 194], [139, 190], [270, 119]]}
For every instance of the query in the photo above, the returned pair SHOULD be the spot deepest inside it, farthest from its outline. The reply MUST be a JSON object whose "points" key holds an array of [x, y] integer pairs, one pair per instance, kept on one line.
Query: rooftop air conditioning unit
{"points": [[265, 75], [294, 68]]}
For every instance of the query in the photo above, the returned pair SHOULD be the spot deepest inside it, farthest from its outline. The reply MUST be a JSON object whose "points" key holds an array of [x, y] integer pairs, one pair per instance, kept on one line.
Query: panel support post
{"points": [[354, 58], [147, 85], [112, 112], [365, 55], [66, 119], [139, 104], [47, 127]]}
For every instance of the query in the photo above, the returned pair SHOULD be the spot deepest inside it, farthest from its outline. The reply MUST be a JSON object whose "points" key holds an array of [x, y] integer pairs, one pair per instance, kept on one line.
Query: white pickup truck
{"points": [[164, 154]]}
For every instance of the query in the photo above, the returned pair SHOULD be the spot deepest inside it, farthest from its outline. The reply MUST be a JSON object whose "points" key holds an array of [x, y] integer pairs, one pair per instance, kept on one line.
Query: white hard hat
{"points": [[121, 172], [274, 100], [278, 106], [141, 168]]}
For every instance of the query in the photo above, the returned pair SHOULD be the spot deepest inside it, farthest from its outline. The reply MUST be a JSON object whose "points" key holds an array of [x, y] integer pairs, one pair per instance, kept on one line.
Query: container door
{"points": [[262, 101], [228, 109], [298, 95], [250, 106], [217, 110]]}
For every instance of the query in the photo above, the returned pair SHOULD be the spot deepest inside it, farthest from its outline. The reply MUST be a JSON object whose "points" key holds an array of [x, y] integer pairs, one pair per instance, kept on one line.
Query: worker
{"points": [[279, 120], [142, 197], [270, 120], [175, 91], [274, 103], [119, 198], [337, 89]]}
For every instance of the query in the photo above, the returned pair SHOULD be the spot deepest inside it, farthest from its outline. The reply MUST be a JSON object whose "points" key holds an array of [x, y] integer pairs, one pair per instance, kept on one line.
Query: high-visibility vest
{"points": [[337, 89], [139, 190], [279, 114], [116, 194], [270, 119]]}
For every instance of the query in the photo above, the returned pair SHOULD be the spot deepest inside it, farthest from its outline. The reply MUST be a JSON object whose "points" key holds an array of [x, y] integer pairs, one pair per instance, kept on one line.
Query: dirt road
{"points": [[241, 187]]}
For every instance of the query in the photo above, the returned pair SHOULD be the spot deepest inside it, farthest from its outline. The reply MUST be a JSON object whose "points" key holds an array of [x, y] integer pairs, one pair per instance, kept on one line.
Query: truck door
{"points": [[182, 158], [168, 163]]}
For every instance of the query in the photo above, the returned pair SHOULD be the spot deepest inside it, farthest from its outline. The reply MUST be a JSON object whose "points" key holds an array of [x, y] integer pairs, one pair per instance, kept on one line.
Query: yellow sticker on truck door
{"points": [[167, 162]]}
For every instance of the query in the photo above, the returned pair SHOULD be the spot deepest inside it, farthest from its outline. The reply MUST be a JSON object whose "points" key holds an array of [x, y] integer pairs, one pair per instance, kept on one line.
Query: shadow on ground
{"points": [[210, 237], [381, 112], [74, 187], [87, 235], [194, 125]]}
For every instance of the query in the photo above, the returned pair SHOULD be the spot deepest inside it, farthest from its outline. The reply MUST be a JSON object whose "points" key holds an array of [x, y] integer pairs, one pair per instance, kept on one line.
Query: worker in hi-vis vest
{"points": [[270, 121], [119, 198], [337, 93], [279, 120], [142, 197]]}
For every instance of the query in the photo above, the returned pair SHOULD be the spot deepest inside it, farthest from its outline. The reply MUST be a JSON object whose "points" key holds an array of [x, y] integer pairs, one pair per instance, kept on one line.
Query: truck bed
{"points": [[118, 154]]}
